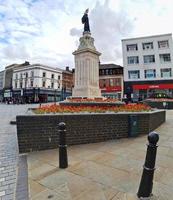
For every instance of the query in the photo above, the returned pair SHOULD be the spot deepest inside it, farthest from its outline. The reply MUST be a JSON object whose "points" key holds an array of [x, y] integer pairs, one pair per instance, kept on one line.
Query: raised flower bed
{"points": [[92, 109], [84, 124]]}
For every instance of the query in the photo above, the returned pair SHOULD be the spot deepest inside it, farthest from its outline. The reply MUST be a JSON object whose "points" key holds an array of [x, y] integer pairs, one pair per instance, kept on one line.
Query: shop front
{"points": [[114, 92], [140, 90], [153, 90]]}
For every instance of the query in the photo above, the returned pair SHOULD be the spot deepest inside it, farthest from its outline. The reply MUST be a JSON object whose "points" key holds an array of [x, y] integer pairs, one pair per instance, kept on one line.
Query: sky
{"points": [[48, 31]]}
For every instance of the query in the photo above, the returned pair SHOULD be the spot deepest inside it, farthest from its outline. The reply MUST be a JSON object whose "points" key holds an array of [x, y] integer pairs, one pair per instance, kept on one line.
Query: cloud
{"points": [[107, 27]]}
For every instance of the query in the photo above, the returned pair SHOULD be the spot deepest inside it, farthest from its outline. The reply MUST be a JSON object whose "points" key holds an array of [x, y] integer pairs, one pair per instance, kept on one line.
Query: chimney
{"points": [[67, 68]]}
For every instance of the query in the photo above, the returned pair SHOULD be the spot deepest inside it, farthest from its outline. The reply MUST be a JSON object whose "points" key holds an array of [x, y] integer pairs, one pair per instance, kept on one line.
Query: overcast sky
{"points": [[48, 31]]}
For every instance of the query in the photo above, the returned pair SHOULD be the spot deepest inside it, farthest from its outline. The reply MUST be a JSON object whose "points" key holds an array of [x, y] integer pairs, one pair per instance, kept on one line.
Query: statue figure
{"points": [[85, 21]]}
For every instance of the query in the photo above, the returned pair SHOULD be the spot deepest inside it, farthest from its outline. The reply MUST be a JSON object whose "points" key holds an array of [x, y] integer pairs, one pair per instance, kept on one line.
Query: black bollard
{"points": [[146, 184], [63, 161]]}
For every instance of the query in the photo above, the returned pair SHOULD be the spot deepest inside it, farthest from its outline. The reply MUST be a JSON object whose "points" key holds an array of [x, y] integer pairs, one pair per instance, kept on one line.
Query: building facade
{"points": [[111, 80], [36, 83], [67, 83], [148, 66], [2, 75]]}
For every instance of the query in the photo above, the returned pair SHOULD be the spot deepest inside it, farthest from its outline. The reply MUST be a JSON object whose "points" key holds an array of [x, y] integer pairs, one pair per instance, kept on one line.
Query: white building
{"points": [[33, 83], [1, 84], [148, 66]]}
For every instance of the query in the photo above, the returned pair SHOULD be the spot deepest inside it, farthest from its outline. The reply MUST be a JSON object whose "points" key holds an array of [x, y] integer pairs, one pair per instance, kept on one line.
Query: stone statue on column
{"points": [[85, 21]]}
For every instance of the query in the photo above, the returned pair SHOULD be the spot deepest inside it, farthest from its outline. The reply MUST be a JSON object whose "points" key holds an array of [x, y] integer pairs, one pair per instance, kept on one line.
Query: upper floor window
{"points": [[52, 85], [165, 57], [32, 83], [133, 60], [52, 76], [15, 84], [163, 44], [26, 74], [21, 84], [147, 46], [20, 75], [16, 76], [134, 74], [43, 84], [32, 74], [59, 77], [44, 74], [111, 82], [166, 73], [132, 47], [117, 81], [150, 73], [149, 59]]}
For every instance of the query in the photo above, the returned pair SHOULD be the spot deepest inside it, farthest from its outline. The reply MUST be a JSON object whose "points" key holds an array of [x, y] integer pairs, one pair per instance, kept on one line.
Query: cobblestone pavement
{"points": [[9, 149], [102, 171]]}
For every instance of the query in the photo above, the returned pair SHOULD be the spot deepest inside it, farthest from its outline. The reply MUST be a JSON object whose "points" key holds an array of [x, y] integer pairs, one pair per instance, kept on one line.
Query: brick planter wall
{"points": [[40, 132]]}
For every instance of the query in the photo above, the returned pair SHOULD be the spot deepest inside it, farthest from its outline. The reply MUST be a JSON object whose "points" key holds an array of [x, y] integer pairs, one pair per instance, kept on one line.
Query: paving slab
{"points": [[103, 171]]}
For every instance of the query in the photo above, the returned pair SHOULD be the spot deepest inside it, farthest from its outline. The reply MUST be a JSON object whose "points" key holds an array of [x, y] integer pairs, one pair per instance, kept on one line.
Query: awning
{"points": [[153, 86]]}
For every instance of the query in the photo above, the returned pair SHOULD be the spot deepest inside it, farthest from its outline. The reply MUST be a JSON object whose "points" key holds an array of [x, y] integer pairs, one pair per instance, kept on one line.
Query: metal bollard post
{"points": [[146, 184], [63, 161]]}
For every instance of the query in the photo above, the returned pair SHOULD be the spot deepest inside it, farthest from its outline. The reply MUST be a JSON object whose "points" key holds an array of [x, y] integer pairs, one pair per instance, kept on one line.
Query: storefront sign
{"points": [[111, 89], [154, 86]]}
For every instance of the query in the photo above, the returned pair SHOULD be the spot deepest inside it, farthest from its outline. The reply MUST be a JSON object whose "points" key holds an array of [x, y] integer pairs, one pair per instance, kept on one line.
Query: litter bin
{"points": [[133, 126]]}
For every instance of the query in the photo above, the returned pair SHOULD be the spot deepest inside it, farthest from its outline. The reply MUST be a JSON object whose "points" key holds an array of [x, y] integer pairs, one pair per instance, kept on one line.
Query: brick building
{"points": [[111, 80]]}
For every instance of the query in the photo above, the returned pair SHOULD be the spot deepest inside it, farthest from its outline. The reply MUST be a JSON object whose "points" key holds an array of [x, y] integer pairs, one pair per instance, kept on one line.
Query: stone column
{"points": [[86, 69]]}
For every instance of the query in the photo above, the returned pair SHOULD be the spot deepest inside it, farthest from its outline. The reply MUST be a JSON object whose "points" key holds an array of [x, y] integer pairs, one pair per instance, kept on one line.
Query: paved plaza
{"points": [[9, 149], [102, 171]]}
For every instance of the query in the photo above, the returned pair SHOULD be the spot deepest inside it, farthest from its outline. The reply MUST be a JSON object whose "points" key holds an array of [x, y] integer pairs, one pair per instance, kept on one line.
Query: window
{"points": [[44, 84], [26, 74], [16, 76], [20, 75], [134, 74], [147, 46], [150, 73], [32, 83], [166, 73], [59, 77], [111, 82], [132, 60], [15, 84], [165, 58], [44, 74], [149, 59], [20, 84], [52, 76], [32, 73], [163, 44], [52, 85], [132, 47], [117, 82]]}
